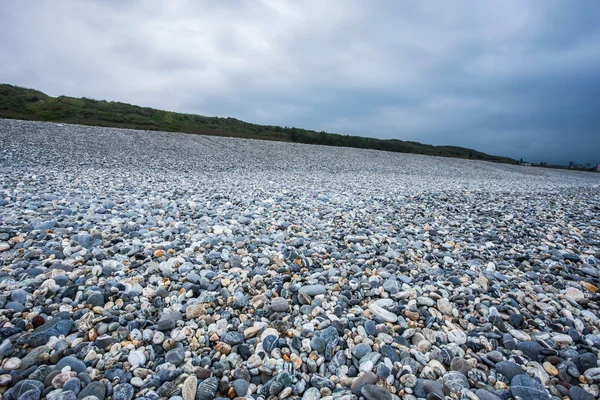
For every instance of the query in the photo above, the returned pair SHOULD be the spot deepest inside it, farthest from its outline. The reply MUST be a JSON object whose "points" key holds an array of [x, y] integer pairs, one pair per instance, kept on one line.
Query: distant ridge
{"points": [[29, 104]]}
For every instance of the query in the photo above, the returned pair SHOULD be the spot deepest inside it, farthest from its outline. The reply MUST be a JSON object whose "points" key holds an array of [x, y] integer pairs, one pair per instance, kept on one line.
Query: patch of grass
{"points": [[29, 104]]}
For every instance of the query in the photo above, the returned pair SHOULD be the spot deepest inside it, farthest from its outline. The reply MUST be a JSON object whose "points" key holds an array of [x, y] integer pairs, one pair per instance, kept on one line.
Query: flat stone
{"points": [[374, 392], [76, 365], [233, 338], [207, 389], [313, 290], [241, 387], [575, 294], [444, 306], [190, 386], [509, 369], [455, 382], [368, 378], [97, 389], [578, 393], [124, 391], [383, 314], [279, 304], [524, 387], [530, 349]]}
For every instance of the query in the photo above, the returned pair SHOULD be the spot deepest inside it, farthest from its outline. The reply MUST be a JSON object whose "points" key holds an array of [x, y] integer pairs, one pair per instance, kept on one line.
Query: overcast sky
{"points": [[516, 78]]}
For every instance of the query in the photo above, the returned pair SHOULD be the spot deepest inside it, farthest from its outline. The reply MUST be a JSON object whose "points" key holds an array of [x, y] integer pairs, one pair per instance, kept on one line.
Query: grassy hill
{"points": [[29, 104]]}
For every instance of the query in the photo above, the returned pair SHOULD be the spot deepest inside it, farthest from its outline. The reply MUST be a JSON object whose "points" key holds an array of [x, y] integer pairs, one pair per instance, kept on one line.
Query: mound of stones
{"points": [[141, 268]]}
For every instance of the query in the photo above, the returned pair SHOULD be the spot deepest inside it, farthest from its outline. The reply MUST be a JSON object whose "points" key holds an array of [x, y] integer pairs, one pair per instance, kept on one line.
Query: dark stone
{"points": [[370, 327], [509, 342], [207, 389], [455, 382], [585, 361], [516, 320], [166, 324], [331, 337], [460, 365], [318, 344], [275, 388], [97, 389], [374, 392], [368, 378], [361, 350], [430, 386], [124, 391], [22, 387], [578, 393], [73, 385], [76, 365], [113, 373], [485, 395], [530, 349], [509, 369], [38, 339], [96, 299], [168, 390], [14, 306], [270, 343], [105, 341], [32, 394], [320, 382], [56, 327], [233, 338], [527, 388], [175, 356], [241, 387], [388, 351]]}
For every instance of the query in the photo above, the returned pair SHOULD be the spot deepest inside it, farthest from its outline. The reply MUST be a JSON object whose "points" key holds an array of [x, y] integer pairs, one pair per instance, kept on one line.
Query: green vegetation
{"points": [[29, 104]]}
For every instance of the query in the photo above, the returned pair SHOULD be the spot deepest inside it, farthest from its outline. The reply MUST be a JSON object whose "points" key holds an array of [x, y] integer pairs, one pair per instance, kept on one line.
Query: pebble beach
{"points": [[155, 265]]}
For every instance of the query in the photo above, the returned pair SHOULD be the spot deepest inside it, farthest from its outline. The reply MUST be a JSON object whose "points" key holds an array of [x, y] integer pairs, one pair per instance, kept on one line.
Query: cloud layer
{"points": [[517, 78]]}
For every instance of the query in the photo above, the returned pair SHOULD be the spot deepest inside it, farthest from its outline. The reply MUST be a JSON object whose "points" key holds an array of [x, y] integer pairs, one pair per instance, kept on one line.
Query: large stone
{"points": [[233, 338], [190, 386], [368, 378], [527, 388], [76, 365], [312, 290], [575, 294], [207, 389], [374, 392], [124, 391], [279, 304], [382, 313], [444, 306], [56, 327], [36, 356], [194, 311], [509, 369], [97, 389], [455, 382], [530, 349], [578, 393]]}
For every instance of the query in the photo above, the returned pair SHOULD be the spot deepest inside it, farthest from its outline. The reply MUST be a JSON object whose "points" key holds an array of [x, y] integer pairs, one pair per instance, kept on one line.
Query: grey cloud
{"points": [[516, 78]]}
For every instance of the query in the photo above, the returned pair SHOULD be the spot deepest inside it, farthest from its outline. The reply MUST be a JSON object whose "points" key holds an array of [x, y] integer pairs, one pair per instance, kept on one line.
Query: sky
{"points": [[517, 78]]}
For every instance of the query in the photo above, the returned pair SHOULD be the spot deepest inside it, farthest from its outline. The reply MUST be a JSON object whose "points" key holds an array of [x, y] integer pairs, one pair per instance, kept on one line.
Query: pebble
{"points": [[279, 304], [315, 272], [136, 358], [124, 391], [578, 393], [374, 392], [524, 387], [383, 314]]}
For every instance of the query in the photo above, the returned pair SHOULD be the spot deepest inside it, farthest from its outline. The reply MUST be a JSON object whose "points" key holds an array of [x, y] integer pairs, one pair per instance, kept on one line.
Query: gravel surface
{"points": [[151, 265]]}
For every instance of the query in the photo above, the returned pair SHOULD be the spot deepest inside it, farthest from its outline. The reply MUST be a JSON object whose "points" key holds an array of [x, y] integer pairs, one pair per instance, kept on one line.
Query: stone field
{"points": [[149, 265]]}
